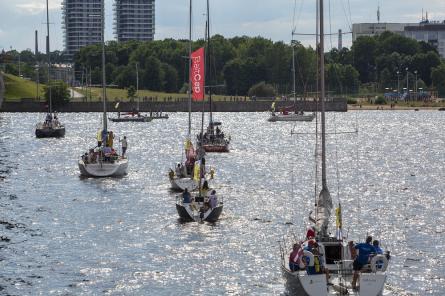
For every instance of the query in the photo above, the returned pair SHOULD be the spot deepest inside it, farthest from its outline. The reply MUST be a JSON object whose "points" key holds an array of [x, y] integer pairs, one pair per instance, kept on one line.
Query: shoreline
{"points": [[339, 105], [389, 108]]}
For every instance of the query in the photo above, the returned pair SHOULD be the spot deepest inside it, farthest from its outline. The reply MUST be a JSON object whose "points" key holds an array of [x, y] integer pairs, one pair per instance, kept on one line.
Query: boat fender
{"points": [[379, 263], [310, 256]]}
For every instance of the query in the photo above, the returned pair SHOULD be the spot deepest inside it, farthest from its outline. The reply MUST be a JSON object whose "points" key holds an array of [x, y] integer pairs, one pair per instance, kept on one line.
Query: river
{"points": [[66, 235]]}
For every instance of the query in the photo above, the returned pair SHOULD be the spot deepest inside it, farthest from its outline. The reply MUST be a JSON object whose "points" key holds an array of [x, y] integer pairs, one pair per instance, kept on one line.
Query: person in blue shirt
{"points": [[365, 250], [186, 196], [377, 248]]}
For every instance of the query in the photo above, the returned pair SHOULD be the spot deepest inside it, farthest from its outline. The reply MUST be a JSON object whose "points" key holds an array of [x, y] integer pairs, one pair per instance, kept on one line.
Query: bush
{"points": [[262, 90], [380, 101], [352, 101], [60, 95]]}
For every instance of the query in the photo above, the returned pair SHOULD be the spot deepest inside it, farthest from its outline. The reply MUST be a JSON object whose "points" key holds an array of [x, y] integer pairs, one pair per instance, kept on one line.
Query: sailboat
{"points": [[304, 275], [291, 113], [201, 207], [135, 115], [51, 127], [103, 160], [181, 178], [213, 139]]}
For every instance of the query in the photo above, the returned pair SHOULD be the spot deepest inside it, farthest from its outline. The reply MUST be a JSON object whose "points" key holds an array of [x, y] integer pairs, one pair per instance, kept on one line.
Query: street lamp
{"points": [[415, 87], [398, 83], [407, 76]]}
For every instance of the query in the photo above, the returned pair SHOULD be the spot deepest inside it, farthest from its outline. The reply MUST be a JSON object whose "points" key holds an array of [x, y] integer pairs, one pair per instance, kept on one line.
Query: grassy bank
{"points": [[17, 88], [121, 94]]}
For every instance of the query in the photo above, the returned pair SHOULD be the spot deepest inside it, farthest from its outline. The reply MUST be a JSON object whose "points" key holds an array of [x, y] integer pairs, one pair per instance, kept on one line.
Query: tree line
{"points": [[380, 63]]}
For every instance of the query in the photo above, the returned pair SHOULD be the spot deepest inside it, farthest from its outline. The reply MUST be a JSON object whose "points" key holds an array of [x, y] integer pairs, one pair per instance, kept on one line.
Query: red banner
{"points": [[197, 75]]}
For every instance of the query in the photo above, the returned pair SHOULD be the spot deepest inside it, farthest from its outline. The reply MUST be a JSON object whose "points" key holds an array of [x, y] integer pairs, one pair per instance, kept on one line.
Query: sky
{"points": [[270, 19]]}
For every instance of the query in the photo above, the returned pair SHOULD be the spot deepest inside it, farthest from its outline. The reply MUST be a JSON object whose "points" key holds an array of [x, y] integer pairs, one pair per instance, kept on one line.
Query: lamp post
{"points": [[398, 84], [415, 85], [407, 84]]}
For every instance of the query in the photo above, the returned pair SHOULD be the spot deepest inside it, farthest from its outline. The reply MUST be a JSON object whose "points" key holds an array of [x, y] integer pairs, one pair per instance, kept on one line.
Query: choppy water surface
{"points": [[64, 235]]}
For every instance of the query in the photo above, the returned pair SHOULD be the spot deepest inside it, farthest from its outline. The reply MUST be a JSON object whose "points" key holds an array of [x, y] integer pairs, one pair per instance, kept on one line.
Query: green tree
{"points": [[170, 82], [438, 78], [262, 90], [60, 94], [364, 54], [131, 92]]}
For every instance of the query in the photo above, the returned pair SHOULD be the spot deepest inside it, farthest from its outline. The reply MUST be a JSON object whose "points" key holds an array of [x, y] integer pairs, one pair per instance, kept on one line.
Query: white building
{"points": [[430, 32], [373, 29], [134, 20]]}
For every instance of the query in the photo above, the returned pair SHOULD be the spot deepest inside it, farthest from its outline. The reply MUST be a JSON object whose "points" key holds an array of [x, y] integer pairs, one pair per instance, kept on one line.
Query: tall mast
{"points": [[324, 202], [209, 65], [49, 58], [293, 67], [137, 84], [190, 67], [322, 100], [104, 92]]}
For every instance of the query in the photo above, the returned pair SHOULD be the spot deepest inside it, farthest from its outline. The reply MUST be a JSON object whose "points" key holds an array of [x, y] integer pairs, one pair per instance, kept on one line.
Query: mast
{"points": [[324, 202], [322, 100], [137, 84], [104, 92], [190, 67], [49, 58], [293, 68], [208, 68]]}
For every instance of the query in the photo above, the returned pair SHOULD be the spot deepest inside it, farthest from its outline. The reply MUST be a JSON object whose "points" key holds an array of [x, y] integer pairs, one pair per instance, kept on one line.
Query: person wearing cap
{"points": [[310, 234]]}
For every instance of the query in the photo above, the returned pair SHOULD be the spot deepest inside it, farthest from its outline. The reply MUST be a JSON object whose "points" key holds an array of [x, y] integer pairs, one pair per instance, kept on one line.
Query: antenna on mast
{"points": [[378, 13]]}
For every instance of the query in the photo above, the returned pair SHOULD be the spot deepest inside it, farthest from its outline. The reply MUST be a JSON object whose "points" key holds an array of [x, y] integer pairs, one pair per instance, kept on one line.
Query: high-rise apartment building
{"points": [[134, 19], [82, 22]]}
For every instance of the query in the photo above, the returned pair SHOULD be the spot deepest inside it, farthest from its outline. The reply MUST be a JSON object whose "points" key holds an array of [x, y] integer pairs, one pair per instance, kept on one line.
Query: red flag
{"points": [[197, 75]]}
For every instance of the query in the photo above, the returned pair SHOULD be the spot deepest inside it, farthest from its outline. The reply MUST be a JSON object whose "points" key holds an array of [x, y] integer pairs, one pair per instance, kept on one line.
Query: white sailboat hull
{"points": [[292, 117], [118, 168], [301, 284], [184, 183]]}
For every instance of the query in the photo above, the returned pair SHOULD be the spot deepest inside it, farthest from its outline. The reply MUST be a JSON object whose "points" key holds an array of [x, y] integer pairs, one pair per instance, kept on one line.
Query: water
{"points": [[65, 235]]}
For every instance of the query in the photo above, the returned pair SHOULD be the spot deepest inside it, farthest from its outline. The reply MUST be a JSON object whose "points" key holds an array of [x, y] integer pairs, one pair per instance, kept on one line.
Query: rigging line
{"points": [[357, 168], [336, 160], [296, 20], [350, 15]]}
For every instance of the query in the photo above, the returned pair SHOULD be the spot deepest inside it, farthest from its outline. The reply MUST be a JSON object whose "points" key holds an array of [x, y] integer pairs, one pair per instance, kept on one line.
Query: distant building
{"points": [[374, 29], [82, 23], [134, 20], [427, 31], [430, 32]]}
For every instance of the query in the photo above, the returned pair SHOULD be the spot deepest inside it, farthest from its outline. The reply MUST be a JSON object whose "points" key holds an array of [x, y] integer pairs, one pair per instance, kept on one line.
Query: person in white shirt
{"points": [[124, 146]]}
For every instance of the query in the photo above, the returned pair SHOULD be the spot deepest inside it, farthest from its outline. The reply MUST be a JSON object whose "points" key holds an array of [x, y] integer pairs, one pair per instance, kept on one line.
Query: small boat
{"points": [[158, 115], [198, 210], [51, 127], [285, 116], [214, 140], [442, 109], [103, 160], [132, 117], [117, 167]]}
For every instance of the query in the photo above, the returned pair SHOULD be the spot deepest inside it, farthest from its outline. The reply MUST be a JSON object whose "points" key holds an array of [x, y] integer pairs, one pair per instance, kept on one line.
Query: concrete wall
{"points": [[2, 89], [338, 105]]}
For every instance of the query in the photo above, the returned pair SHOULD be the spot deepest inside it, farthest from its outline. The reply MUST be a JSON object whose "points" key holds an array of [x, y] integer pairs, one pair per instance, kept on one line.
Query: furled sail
{"points": [[323, 209]]}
